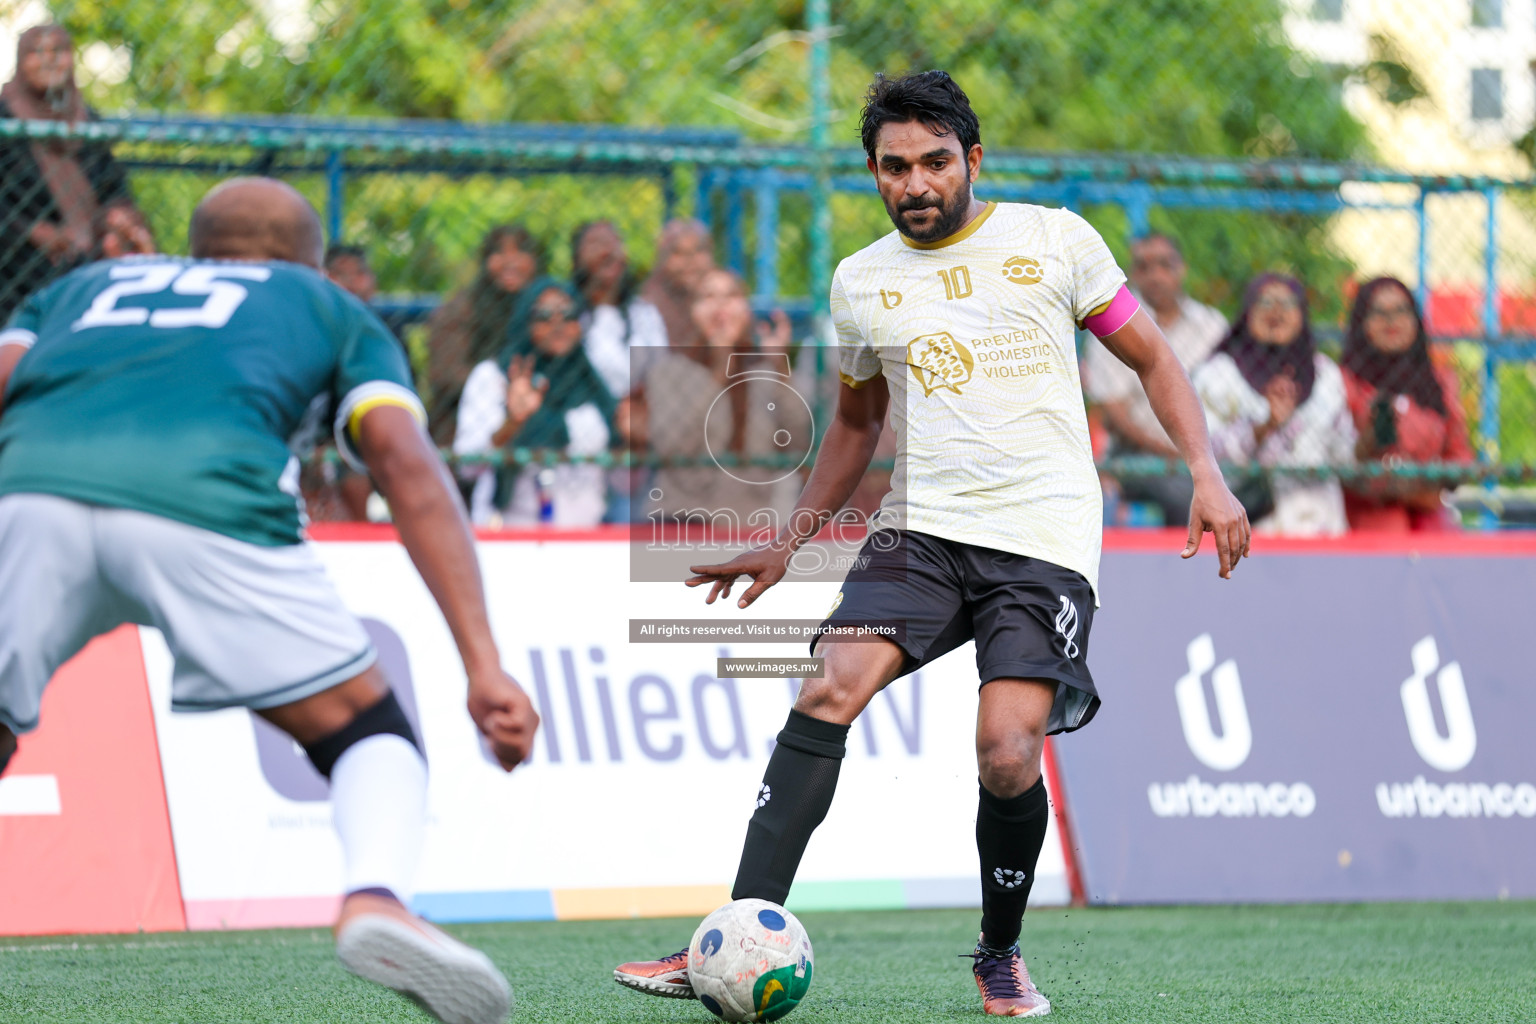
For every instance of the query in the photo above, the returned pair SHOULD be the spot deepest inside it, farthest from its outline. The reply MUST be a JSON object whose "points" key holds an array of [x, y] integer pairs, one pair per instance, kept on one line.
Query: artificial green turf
{"points": [[1463, 962]]}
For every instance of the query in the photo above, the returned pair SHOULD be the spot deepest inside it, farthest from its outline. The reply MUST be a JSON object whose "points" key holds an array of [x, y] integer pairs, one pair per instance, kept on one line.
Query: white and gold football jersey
{"points": [[976, 336]]}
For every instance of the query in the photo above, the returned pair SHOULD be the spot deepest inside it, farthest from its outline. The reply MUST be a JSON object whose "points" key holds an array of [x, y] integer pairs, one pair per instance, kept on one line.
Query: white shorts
{"points": [[249, 626]]}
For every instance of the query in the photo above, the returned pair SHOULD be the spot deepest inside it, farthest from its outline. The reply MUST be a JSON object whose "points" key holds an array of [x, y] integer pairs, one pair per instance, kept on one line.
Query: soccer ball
{"points": [[750, 961]]}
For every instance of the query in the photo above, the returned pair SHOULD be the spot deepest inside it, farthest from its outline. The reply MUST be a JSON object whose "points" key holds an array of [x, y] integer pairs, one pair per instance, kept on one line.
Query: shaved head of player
{"points": [[923, 142], [256, 219]]}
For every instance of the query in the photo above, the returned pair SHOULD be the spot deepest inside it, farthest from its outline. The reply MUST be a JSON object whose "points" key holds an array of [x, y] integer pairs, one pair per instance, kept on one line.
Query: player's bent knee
{"points": [[386, 718], [831, 699], [1008, 768], [853, 674]]}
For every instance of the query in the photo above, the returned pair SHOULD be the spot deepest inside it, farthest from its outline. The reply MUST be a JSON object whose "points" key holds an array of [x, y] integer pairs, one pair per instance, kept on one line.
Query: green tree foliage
{"points": [[1193, 77]]}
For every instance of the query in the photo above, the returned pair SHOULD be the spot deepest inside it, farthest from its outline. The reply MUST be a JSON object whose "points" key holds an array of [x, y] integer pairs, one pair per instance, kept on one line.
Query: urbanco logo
{"points": [[1200, 799], [1229, 750], [1453, 751]]}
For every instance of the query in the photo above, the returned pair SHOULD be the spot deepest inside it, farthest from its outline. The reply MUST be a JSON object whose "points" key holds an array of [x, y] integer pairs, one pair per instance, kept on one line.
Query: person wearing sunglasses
{"points": [[542, 394], [1272, 401]]}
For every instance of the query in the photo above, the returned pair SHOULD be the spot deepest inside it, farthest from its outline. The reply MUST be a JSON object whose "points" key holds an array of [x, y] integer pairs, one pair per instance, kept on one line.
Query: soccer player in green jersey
{"points": [[150, 409]]}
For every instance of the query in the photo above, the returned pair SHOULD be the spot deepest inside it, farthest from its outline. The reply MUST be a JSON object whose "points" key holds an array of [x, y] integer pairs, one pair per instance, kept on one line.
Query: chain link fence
{"points": [[463, 152]]}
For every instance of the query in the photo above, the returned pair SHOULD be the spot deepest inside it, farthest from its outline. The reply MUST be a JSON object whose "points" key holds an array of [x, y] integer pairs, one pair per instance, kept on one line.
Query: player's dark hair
{"points": [[931, 97], [338, 251]]}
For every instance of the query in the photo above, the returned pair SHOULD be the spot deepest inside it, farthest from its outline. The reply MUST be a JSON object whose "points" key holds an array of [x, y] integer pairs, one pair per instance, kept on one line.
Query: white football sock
{"points": [[379, 802]]}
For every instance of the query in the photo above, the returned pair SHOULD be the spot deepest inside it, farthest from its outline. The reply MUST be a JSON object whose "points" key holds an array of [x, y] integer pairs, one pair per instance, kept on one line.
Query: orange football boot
{"points": [[665, 977], [1006, 990]]}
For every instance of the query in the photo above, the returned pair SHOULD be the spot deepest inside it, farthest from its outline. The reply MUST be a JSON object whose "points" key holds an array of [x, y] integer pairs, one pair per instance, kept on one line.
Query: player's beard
{"points": [[951, 215]]}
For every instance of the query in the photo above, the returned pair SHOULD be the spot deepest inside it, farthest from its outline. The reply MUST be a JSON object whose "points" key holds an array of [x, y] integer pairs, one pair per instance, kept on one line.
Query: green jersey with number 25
{"points": [[186, 388]]}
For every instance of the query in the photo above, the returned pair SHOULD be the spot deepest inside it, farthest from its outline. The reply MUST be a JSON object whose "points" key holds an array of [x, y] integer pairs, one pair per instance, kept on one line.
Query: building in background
{"points": [[1443, 87]]}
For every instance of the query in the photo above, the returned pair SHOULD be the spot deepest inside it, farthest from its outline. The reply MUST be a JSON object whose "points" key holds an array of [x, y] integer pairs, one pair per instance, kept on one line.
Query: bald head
{"points": [[256, 219]]}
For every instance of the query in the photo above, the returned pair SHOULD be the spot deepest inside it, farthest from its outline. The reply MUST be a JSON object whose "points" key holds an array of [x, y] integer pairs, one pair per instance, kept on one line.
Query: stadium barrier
{"points": [[1343, 721], [634, 803], [1382, 759]]}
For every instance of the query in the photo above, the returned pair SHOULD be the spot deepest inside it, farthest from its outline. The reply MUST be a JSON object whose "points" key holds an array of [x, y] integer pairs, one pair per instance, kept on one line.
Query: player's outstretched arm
{"points": [[1141, 346], [841, 462], [430, 519]]}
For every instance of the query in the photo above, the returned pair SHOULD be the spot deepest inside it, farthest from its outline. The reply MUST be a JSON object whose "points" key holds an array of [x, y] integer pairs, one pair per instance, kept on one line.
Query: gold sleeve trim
{"points": [[367, 405], [1095, 311], [855, 384]]}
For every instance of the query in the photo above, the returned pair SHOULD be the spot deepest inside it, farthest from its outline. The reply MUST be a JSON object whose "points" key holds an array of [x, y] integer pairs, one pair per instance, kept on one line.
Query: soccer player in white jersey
{"points": [[962, 323]]}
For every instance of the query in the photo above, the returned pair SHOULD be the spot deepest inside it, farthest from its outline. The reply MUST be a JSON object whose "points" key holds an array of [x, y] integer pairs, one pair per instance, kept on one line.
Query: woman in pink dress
{"points": [[1406, 410]]}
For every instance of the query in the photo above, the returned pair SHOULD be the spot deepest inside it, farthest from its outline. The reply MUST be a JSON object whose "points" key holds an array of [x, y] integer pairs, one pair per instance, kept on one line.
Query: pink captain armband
{"points": [[1113, 316]]}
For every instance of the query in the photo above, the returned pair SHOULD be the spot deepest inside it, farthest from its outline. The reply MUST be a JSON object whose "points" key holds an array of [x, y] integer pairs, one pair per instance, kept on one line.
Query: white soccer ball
{"points": [[750, 961]]}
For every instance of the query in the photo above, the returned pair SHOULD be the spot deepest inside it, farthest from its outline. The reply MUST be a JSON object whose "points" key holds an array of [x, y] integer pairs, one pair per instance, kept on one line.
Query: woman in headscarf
{"points": [[471, 327], [60, 199], [684, 254], [540, 392], [1405, 408], [1272, 400]]}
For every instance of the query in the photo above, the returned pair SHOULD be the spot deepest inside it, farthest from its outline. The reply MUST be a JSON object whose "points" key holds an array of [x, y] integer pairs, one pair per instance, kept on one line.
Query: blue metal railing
{"points": [[741, 174]]}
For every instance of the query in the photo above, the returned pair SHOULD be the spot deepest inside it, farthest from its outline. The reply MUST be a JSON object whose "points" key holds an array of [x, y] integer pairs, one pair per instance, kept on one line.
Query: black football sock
{"points": [[795, 795], [1009, 834]]}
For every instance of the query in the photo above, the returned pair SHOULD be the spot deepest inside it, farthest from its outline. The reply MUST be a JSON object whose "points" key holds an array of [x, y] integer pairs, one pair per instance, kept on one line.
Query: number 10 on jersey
{"points": [[957, 282]]}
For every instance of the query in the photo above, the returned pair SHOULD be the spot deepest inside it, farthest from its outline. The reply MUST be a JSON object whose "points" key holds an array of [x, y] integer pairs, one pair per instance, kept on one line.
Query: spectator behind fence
{"points": [[471, 327], [348, 267], [541, 392], [1405, 408], [685, 252], [733, 399], [332, 489], [1271, 401], [615, 320], [1192, 330], [63, 202]]}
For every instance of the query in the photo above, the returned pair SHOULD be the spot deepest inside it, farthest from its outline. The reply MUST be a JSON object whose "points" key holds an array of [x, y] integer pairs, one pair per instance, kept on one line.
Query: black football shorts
{"points": [[1030, 618]]}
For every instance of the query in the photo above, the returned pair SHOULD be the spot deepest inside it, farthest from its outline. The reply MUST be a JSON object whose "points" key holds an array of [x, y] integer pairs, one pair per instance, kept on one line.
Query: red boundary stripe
{"points": [[1502, 543], [1062, 809]]}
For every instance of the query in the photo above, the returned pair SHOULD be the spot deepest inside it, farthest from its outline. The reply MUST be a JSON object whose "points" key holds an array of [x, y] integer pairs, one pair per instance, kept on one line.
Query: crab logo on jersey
{"points": [[1066, 625], [1023, 270], [939, 361]]}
